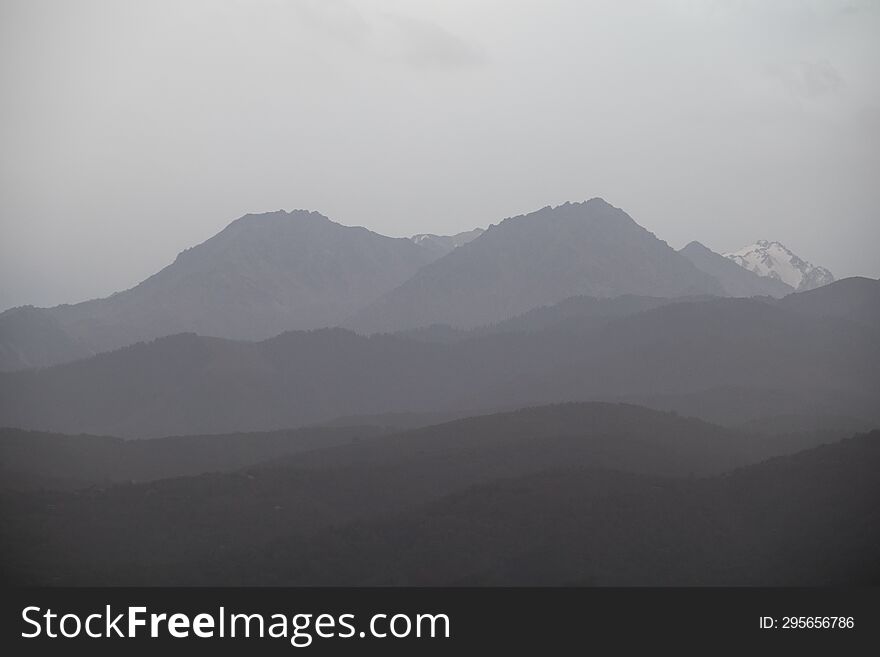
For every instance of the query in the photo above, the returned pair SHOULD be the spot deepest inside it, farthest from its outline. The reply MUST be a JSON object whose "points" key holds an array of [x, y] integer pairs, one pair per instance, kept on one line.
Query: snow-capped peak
{"points": [[774, 260]]}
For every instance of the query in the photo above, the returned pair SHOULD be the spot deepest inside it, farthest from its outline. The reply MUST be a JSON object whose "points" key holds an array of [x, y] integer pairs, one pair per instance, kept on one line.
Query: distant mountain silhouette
{"points": [[588, 248], [36, 337], [262, 275], [676, 352], [736, 280], [564, 494], [270, 273]]}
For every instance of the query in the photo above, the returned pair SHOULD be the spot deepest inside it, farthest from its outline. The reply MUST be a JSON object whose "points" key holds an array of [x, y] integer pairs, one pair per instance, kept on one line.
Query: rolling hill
{"points": [[565, 494], [676, 353]]}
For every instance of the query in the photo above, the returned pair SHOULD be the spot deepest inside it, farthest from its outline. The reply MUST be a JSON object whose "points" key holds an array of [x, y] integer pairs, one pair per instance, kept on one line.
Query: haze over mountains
{"points": [[274, 272], [519, 384], [499, 321], [562, 399], [809, 351]]}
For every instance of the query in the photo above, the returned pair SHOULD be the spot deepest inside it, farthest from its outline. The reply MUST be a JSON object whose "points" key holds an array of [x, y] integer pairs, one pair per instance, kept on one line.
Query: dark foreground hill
{"points": [[34, 460], [809, 519], [588, 493]]}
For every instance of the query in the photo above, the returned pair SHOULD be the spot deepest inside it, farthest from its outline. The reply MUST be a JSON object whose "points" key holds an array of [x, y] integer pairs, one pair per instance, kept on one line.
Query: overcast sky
{"points": [[132, 130]]}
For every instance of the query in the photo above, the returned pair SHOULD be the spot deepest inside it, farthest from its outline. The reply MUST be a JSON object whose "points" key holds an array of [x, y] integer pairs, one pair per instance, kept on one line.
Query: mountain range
{"points": [[280, 271], [807, 352], [561, 399]]}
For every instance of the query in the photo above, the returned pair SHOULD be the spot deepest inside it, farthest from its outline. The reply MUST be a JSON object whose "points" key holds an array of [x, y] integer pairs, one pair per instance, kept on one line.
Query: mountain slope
{"points": [[736, 280], [588, 248], [774, 260], [262, 275]]}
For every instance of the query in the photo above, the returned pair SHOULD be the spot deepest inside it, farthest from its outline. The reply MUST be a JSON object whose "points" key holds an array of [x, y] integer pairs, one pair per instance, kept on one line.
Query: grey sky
{"points": [[132, 130]]}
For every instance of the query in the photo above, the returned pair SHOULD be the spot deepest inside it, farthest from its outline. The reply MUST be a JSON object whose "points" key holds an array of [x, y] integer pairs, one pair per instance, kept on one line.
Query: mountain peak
{"points": [[595, 203], [257, 218], [587, 248], [595, 212], [695, 246], [262, 274], [774, 260]]}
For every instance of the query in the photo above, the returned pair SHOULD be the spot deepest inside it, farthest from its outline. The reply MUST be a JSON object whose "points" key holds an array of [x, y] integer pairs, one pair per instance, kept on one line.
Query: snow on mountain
{"points": [[440, 245], [774, 260]]}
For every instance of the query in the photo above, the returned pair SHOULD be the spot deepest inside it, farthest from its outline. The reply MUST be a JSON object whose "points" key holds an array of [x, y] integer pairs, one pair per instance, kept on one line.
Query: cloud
{"points": [[807, 79], [338, 20], [427, 45], [389, 36]]}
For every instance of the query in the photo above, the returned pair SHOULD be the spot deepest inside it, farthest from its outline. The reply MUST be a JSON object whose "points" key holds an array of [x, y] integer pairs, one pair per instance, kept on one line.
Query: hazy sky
{"points": [[132, 130]]}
